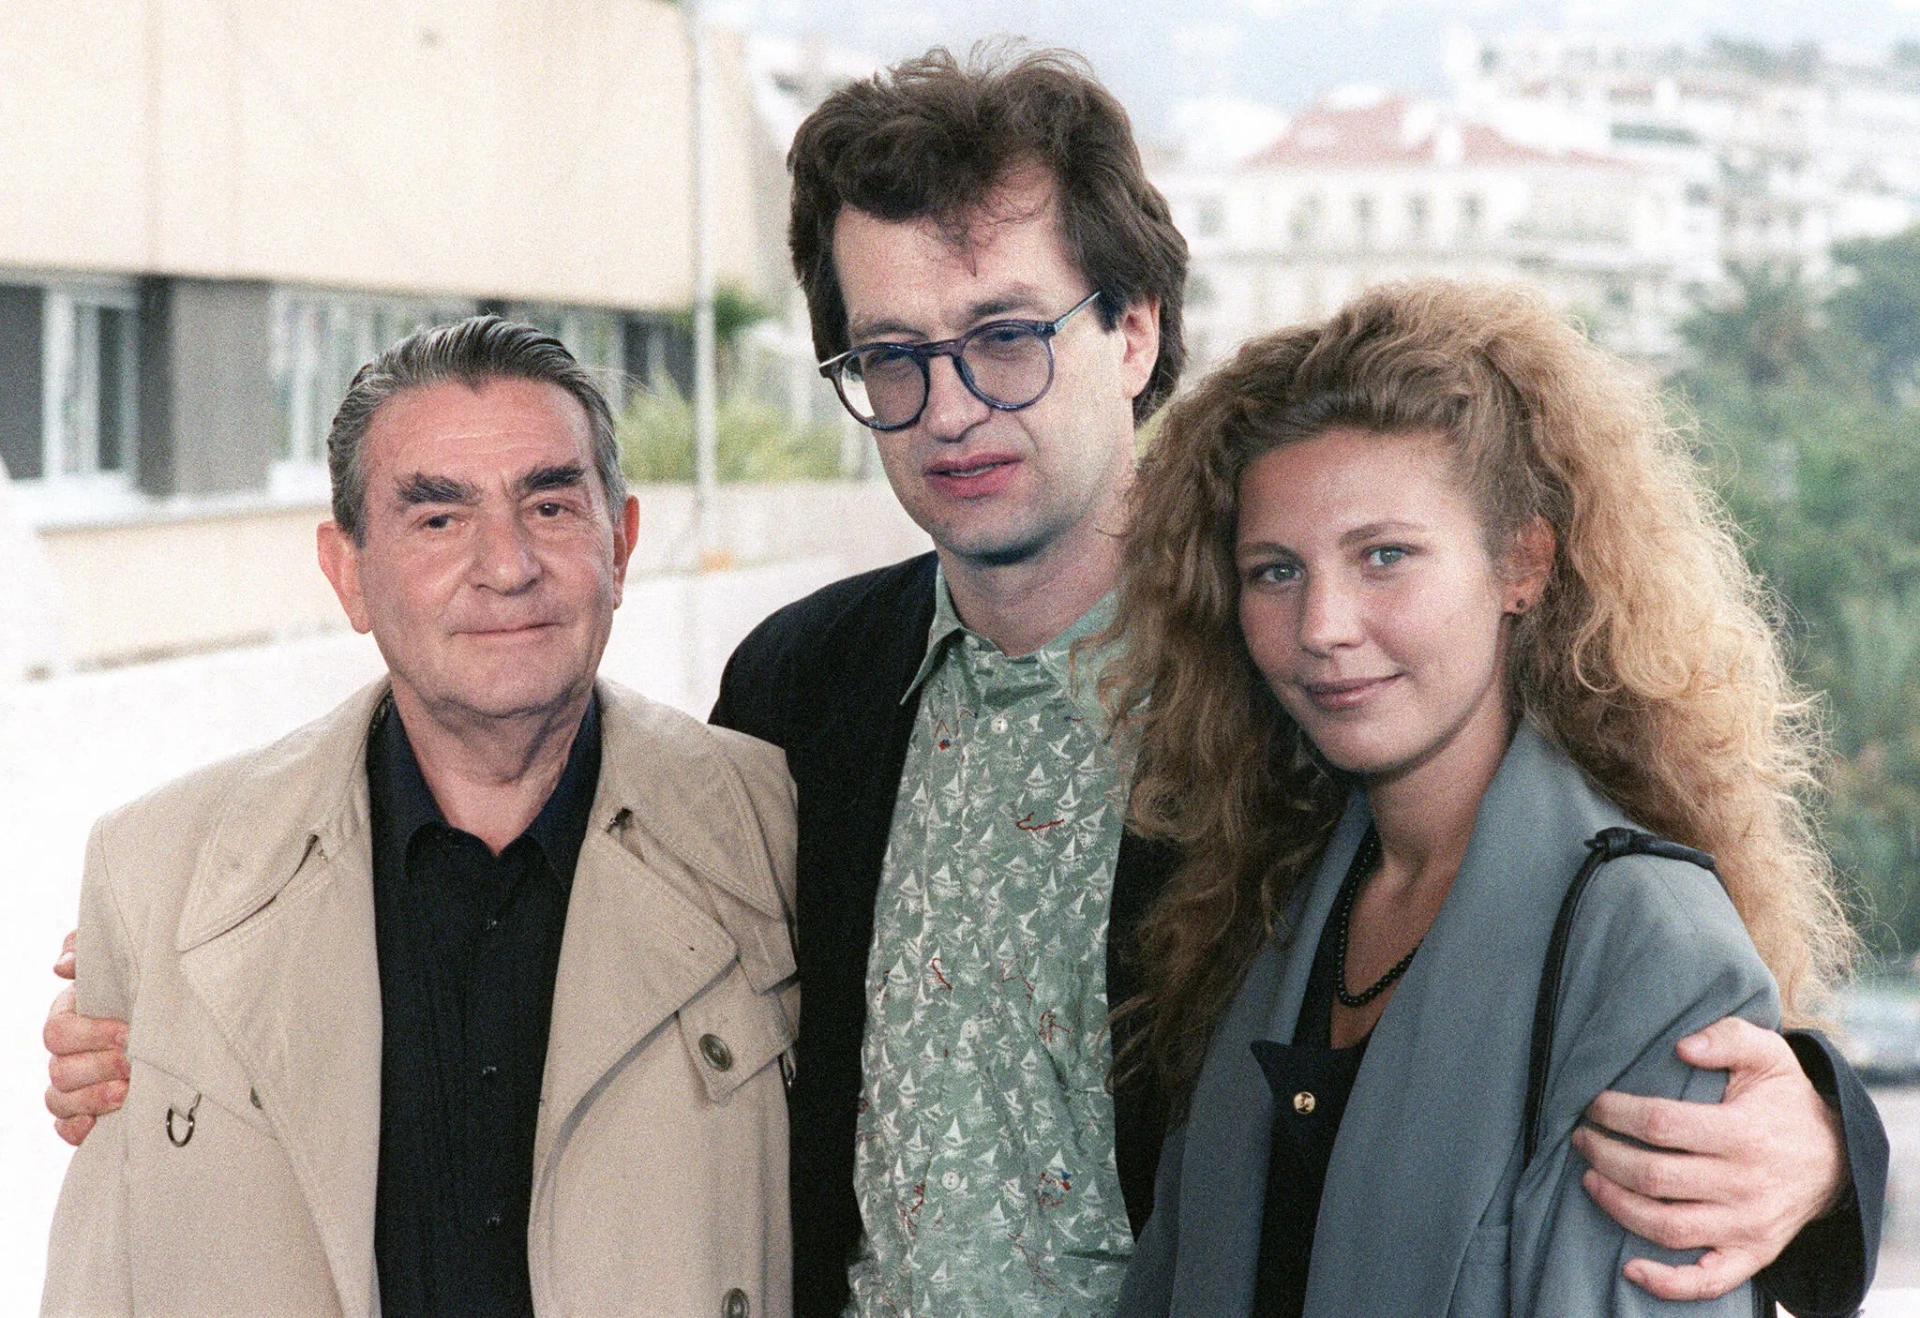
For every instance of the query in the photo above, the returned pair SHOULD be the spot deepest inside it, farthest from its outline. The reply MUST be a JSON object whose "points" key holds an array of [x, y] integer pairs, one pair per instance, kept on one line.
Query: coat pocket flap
{"points": [[731, 1032]]}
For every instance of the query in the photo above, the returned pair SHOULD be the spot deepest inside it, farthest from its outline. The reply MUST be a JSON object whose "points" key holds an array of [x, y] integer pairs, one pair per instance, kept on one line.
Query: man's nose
{"points": [[503, 555], [952, 409]]}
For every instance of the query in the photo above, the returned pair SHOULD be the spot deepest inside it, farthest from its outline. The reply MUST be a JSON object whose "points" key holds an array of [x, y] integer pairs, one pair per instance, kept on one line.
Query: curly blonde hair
{"points": [[1651, 658]]}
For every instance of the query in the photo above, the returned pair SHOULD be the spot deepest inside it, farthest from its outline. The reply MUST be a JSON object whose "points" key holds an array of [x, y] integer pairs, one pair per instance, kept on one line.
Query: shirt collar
{"points": [[406, 804], [1080, 675]]}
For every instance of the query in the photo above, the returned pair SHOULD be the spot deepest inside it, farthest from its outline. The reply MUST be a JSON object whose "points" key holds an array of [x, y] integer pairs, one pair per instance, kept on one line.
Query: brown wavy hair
{"points": [[1652, 658]]}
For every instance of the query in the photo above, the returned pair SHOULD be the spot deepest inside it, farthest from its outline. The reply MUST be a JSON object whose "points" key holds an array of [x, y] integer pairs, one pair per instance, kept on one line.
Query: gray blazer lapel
{"points": [[1434, 1118], [1223, 1175], [276, 939]]}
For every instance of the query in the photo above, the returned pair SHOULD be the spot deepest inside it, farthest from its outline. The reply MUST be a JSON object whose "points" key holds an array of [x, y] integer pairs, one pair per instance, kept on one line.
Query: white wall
{"points": [[533, 149]]}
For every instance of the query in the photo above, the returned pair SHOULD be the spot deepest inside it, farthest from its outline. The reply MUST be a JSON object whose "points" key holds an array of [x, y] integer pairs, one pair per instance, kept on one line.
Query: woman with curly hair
{"points": [[1426, 606]]}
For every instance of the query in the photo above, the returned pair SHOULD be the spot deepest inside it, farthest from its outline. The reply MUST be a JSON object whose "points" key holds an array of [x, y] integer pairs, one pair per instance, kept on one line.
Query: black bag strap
{"points": [[1608, 844]]}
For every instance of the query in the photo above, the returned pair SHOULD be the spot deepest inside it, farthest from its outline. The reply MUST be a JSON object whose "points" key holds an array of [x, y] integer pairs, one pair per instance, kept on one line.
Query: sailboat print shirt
{"points": [[985, 1158]]}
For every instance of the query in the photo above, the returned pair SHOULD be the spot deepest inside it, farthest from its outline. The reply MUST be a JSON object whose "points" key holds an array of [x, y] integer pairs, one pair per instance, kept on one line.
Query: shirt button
{"points": [[495, 1219], [715, 1050], [950, 1180], [1304, 1103], [736, 1305], [488, 1071], [493, 922]]}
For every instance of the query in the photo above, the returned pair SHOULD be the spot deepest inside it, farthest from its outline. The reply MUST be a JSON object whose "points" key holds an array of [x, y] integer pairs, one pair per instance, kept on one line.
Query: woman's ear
{"points": [[1529, 564]]}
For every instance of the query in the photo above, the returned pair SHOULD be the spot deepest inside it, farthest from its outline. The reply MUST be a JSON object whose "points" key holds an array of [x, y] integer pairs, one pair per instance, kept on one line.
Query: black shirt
{"points": [[1311, 1082], [469, 944]]}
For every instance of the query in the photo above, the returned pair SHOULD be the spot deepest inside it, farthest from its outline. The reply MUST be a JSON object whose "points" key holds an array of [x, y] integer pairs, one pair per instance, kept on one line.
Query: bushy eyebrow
{"points": [[422, 488], [551, 478]]}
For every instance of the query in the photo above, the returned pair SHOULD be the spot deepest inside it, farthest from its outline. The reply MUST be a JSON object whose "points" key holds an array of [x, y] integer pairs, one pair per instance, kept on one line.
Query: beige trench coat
{"points": [[229, 918]]}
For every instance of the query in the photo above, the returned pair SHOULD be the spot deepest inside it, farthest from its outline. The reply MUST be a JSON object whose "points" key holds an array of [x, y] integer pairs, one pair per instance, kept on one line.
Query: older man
{"points": [[471, 997]]}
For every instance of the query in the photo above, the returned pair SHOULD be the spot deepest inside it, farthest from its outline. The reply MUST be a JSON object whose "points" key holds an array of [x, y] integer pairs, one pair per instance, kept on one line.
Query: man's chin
{"points": [[991, 547], [506, 697]]}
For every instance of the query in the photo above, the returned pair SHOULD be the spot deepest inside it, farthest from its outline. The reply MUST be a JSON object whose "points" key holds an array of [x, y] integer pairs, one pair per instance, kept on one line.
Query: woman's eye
{"points": [[1274, 572], [1385, 555]]}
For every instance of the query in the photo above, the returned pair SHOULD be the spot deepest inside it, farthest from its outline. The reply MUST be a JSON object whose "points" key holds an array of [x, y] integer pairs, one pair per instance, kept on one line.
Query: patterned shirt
{"points": [[985, 1158]]}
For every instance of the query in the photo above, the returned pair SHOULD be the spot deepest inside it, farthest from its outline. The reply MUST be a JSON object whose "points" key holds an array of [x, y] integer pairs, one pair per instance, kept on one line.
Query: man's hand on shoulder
{"points": [[1739, 1178], [89, 1064]]}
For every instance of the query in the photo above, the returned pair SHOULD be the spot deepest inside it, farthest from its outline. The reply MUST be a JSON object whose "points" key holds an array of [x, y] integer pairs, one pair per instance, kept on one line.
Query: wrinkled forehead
{"points": [[459, 423]]}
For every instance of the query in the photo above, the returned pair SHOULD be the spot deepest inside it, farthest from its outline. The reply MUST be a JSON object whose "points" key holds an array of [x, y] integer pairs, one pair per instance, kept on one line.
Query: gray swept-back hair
{"points": [[472, 351]]}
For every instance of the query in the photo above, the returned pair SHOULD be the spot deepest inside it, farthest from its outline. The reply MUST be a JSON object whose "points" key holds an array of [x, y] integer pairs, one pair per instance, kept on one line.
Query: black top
{"points": [[1311, 1081], [824, 680], [469, 944]]}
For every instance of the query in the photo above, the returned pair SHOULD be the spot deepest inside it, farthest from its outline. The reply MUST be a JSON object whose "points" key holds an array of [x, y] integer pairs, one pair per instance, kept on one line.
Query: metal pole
{"points": [[705, 431]]}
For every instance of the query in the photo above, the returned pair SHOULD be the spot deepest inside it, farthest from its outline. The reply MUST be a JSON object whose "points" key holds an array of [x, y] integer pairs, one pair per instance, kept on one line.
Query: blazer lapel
{"points": [[276, 938], [1433, 1124], [1223, 1173]]}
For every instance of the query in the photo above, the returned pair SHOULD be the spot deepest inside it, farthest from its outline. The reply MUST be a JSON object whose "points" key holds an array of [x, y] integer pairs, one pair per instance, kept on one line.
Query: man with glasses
{"points": [[996, 291]]}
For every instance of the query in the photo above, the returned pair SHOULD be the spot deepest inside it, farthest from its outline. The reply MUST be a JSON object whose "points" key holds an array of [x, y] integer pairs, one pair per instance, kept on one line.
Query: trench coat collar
{"points": [[1434, 1119]]}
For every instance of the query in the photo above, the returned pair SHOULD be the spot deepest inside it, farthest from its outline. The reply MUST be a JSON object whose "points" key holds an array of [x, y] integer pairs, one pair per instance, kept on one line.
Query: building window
{"points": [[1417, 217], [1210, 217], [1305, 220], [90, 382], [319, 340], [1470, 214]]}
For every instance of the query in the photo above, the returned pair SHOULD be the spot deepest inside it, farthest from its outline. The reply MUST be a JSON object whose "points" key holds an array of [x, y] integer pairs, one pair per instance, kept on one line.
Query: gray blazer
{"points": [[1427, 1209]]}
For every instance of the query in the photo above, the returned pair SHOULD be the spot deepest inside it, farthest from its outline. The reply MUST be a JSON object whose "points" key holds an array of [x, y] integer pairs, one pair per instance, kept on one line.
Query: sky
{"points": [[1157, 53]]}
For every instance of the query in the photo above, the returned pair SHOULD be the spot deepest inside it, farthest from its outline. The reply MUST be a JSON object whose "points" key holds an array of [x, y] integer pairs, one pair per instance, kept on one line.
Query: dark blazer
{"points": [[824, 679]]}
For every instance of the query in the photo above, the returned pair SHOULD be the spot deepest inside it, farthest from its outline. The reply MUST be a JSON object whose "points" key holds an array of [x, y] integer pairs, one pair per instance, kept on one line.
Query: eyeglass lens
{"points": [[1004, 365]]}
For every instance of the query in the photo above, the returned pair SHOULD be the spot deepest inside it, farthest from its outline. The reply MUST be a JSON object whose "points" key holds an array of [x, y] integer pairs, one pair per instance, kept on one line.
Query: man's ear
{"points": [[340, 560], [1140, 324], [626, 533]]}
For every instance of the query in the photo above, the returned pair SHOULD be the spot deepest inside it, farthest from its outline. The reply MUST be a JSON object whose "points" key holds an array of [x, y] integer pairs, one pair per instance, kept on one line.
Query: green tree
{"points": [[1878, 304], [1820, 466]]}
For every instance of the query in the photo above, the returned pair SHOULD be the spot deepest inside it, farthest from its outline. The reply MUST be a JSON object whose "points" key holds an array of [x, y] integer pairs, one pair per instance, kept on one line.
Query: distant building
{"points": [[211, 214], [1786, 151], [1367, 187]]}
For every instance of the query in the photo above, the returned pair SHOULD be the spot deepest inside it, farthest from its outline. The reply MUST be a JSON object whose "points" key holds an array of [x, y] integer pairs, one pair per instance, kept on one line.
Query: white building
{"points": [[1788, 151], [1365, 188]]}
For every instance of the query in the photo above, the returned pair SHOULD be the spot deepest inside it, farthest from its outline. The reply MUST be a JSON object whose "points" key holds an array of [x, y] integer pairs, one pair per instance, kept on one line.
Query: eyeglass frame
{"points": [[924, 353]]}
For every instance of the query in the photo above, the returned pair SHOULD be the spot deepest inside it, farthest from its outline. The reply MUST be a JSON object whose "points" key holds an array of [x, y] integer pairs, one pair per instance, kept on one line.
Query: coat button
{"points": [[1303, 1103], [736, 1304], [720, 1058]]}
